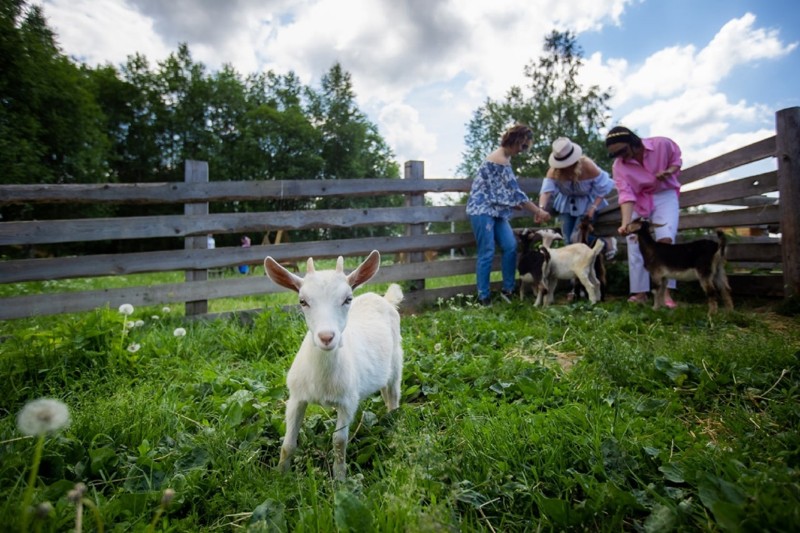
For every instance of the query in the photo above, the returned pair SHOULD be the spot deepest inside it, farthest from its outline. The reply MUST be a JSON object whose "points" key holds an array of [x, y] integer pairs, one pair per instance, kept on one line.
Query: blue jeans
{"points": [[487, 230], [568, 223]]}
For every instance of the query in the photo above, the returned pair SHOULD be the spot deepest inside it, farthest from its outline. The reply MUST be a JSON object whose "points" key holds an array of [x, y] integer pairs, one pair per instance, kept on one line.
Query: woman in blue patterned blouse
{"points": [[578, 187], [495, 192]]}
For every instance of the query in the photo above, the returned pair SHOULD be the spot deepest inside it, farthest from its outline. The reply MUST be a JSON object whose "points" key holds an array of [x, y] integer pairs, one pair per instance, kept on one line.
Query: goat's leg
{"points": [[391, 392], [711, 293], [340, 436], [295, 411], [590, 286], [660, 292], [721, 283]]}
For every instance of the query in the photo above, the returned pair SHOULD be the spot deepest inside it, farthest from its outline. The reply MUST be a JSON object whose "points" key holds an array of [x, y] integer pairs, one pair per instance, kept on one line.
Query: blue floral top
{"points": [[495, 191], [574, 197]]}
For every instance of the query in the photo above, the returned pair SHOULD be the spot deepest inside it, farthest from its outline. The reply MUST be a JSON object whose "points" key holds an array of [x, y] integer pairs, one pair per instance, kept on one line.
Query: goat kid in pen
{"points": [[531, 264], [582, 232], [572, 261], [352, 349], [703, 260]]}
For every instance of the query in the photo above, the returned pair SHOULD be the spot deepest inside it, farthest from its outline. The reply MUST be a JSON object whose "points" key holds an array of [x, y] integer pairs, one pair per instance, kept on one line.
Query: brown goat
{"points": [[703, 260]]}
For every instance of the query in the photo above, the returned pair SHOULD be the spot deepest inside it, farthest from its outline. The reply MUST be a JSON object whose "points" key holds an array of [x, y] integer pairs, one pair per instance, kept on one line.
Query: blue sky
{"points": [[709, 73]]}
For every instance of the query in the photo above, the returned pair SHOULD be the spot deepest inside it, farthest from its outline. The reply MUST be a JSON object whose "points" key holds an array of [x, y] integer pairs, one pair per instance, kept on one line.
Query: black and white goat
{"points": [[703, 260], [531, 264]]}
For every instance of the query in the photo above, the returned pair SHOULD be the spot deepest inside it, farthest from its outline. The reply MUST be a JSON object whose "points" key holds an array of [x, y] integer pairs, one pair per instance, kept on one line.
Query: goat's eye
{"points": [[303, 302], [348, 300]]}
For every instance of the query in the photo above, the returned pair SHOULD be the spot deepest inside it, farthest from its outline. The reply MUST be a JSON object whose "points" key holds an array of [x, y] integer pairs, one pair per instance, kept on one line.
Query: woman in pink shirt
{"points": [[646, 174]]}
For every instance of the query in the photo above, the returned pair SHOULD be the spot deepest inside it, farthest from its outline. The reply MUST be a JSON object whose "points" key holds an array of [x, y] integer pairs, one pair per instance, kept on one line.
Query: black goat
{"points": [[531, 264], [703, 260]]}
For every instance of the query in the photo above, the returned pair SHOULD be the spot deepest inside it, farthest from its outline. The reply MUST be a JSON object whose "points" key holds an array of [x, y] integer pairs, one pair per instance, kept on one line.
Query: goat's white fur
{"points": [[571, 261], [352, 349]]}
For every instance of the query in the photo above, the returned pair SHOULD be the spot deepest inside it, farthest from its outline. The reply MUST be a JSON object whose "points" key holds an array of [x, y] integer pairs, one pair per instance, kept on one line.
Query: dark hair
{"points": [[621, 134], [516, 135]]}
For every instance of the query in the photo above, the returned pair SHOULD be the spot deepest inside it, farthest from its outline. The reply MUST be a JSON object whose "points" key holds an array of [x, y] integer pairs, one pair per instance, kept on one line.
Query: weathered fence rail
{"points": [[758, 206]]}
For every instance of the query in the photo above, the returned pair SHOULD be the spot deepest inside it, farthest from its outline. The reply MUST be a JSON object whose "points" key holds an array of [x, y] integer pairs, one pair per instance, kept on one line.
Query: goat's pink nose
{"points": [[326, 337]]}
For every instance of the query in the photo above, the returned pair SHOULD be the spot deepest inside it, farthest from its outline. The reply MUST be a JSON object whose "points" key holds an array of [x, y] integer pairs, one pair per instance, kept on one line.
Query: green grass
{"points": [[609, 418]]}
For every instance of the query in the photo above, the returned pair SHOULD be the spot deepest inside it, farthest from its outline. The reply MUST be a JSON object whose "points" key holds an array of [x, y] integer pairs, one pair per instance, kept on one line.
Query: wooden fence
{"points": [[774, 259]]}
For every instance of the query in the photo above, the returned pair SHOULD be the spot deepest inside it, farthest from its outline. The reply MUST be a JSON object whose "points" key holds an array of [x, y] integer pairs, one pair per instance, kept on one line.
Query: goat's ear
{"points": [[365, 270], [281, 276], [340, 264], [310, 266]]}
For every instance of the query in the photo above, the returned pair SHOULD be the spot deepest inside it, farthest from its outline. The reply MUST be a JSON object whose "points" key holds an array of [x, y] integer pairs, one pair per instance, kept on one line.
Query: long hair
{"points": [[571, 173]]}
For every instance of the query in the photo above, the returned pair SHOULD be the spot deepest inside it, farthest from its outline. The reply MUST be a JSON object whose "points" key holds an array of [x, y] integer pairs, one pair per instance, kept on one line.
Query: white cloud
{"points": [[407, 136]]}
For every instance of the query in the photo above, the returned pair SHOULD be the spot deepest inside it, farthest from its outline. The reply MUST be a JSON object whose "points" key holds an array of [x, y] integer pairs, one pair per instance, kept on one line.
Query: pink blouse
{"points": [[637, 183]]}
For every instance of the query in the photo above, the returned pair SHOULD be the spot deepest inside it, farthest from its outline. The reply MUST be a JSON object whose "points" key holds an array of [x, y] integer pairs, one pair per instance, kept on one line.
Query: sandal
{"points": [[637, 299]]}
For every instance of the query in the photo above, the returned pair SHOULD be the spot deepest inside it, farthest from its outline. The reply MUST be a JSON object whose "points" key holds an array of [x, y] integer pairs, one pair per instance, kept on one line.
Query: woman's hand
{"points": [[541, 217]]}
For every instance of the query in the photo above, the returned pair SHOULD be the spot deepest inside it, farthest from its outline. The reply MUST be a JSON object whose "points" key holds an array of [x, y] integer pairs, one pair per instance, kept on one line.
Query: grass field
{"points": [[607, 418]]}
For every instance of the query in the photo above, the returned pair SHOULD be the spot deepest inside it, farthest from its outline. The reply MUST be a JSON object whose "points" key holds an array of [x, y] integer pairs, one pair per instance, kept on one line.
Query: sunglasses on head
{"points": [[621, 151]]}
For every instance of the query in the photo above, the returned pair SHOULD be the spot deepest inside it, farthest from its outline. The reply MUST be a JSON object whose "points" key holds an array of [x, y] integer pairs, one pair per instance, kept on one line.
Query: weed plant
{"points": [[605, 418]]}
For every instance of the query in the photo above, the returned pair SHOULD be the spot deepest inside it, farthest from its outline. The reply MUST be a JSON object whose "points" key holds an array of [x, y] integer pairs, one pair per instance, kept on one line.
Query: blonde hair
{"points": [[570, 173]]}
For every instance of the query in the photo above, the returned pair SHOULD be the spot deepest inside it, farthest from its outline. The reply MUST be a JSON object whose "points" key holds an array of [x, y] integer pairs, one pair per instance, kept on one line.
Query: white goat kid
{"points": [[571, 261], [352, 349]]}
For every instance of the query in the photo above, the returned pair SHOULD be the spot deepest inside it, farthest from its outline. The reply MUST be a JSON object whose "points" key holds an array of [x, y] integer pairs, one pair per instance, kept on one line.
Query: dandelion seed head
{"points": [[167, 497], [155, 317], [437, 347], [126, 309], [138, 323], [42, 416], [165, 309], [130, 324], [179, 332], [133, 348], [44, 510]]}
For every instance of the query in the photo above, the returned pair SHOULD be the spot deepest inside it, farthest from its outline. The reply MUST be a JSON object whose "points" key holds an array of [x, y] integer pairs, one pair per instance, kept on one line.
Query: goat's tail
{"points": [[394, 295], [599, 244]]}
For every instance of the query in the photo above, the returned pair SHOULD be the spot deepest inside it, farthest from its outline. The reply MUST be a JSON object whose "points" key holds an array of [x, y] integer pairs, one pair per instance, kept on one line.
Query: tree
{"points": [[351, 147], [51, 128], [553, 104]]}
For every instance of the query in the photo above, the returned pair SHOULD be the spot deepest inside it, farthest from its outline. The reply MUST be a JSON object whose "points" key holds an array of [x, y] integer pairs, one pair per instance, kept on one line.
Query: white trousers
{"points": [[665, 211]]}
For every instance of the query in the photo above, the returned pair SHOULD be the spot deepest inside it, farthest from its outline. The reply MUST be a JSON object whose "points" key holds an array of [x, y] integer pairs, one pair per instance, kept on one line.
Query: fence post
{"points": [[196, 172], [415, 171], [787, 152]]}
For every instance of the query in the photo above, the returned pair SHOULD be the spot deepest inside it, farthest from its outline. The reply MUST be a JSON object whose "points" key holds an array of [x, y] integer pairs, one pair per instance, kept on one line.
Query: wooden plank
{"points": [[196, 173], [788, 152], [752, 216], [228, 191], [737, 158], [741, 188], [60, 231], [73, 302], [13, 271]]}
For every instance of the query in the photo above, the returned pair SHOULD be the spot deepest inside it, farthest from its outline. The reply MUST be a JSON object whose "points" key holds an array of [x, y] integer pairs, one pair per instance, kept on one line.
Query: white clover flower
{"points": [[126, 309], [138, 323], [165, 310], [42, 416], [179, 332], [437, 347], [133, 348]]}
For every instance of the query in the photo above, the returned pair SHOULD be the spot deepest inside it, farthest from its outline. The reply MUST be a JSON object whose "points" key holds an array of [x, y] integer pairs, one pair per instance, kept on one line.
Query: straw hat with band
{"points": [[565, 153]]}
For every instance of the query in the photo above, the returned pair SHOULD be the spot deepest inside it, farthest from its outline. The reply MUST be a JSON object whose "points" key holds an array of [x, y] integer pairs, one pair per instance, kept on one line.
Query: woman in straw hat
{"points": [[646, 173], [578, 188], [495, 192]]}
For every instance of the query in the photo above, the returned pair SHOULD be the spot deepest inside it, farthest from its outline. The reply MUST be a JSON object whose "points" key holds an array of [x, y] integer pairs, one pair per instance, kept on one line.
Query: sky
{"points": [[710, 74]]}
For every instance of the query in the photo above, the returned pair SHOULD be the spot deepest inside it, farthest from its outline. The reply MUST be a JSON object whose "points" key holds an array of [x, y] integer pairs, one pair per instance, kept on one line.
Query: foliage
{"points": [[612, 417], [553, 104]]}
